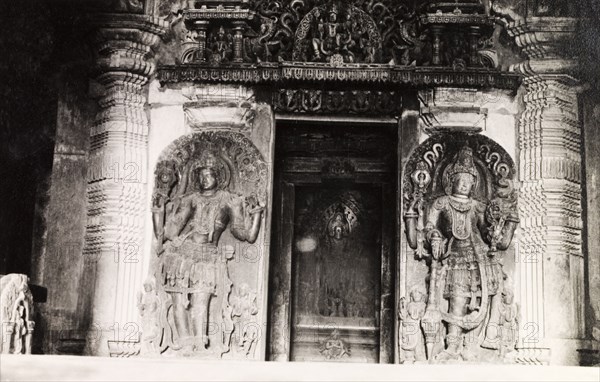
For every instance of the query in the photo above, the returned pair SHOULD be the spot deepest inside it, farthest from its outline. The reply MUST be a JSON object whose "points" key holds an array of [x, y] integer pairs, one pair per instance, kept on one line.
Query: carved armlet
{"points": [[411, 215], [513, 219]]}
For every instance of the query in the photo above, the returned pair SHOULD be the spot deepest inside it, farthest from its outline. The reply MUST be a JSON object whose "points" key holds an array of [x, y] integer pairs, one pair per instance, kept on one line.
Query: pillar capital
{"points": [[548, 45], [124, 44]]}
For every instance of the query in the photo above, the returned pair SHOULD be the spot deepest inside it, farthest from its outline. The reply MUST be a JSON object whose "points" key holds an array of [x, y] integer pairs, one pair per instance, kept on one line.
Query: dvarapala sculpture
{"points": [[198, 195], [460, 216]]}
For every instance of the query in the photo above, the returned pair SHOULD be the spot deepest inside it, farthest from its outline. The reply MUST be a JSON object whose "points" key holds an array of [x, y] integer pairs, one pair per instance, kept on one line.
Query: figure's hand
{"points": [[228, 251], [159, 200], [253, 205], [437, 242]]}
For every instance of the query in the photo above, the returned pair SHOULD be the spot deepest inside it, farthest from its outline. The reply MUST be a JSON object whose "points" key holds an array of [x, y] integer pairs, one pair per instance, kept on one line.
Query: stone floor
{"points": [[71, 368]]}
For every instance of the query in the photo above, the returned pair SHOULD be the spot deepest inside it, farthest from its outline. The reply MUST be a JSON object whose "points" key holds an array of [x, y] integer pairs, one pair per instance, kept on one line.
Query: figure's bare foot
{"points": [[187, 350], [468, 355], [447, 355]]}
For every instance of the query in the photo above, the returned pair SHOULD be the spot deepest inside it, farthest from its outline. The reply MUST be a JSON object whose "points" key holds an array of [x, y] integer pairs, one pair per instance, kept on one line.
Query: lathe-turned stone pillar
{"points": [[117, 177], [551, 267]]}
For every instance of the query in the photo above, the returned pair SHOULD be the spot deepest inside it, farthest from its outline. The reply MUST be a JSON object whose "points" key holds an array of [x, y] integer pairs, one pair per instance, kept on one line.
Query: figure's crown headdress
{"points": [[207, 160], [210, 159], [463, 163]]}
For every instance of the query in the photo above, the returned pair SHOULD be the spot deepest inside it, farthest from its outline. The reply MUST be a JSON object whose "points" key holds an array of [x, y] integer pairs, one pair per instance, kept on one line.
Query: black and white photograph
{"points": [[300, 190]]}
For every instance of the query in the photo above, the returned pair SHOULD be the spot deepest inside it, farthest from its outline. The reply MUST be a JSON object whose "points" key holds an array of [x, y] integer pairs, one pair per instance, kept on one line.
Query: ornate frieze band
{"points": [[351, 73], [359, 102]]}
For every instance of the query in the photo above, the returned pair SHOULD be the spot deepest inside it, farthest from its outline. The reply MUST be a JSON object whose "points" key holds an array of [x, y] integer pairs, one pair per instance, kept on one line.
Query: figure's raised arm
{"points": [[245, 217], [177, 221]]}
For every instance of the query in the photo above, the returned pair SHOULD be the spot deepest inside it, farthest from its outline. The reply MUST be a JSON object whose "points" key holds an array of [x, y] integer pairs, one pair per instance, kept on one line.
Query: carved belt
{"points": [[190, 290]]}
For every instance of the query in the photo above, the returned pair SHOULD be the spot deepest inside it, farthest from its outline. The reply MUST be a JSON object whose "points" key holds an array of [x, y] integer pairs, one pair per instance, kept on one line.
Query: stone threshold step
{"points": [[74, 368]]}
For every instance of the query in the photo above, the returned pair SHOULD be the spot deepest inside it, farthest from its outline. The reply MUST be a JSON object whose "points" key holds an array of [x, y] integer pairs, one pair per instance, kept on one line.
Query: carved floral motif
{"points": [[360, 102], [341, 32]]}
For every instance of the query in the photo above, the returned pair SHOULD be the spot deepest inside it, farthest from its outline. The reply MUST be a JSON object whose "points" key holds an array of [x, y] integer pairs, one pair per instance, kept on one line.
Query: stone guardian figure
{"points": [[192, 209], [457, 235]]}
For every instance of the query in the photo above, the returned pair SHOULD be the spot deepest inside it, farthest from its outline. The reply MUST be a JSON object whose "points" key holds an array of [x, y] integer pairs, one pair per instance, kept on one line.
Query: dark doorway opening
{"points": [[332, 265]]}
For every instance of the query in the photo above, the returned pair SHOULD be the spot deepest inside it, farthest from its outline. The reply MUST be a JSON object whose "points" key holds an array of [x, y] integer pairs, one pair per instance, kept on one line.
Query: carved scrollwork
{"points": [[360, 102], [344, 32]]}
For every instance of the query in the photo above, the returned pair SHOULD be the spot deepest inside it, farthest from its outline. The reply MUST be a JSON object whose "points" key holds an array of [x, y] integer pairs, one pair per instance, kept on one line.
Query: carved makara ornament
{"points": [[194, 202], [461, 234]]}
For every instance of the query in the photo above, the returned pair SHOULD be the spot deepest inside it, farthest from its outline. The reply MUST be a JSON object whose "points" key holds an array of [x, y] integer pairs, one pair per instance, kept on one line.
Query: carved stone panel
{"points": [[204, 293], [460, 215], [16, 314]]}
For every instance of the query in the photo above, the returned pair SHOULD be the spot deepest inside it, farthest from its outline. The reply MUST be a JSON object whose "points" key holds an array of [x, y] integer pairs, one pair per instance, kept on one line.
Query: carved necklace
{"points": [[461, 227], [207, 207]]}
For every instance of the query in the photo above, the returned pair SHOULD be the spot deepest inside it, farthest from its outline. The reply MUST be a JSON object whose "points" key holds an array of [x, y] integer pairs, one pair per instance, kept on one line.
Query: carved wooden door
{"points": [[331, 278], [336, 273]]}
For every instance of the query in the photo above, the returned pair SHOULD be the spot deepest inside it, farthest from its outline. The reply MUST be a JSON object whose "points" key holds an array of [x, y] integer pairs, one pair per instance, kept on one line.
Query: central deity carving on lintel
{"points": [[337, 33], [206, 184]]}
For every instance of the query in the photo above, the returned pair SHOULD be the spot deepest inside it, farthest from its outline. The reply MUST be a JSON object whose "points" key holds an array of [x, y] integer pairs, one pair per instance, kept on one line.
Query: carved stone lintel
{"points": [[232, 10], [360, 102], [270, 73]]}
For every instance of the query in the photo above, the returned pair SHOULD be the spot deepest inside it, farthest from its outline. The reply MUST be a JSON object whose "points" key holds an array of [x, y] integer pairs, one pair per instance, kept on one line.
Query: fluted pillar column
{"points": [[117, 176], [550, 262]]}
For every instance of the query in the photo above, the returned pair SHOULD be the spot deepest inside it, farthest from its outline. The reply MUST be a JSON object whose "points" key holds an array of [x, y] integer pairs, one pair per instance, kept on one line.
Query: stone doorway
{"points": [[332, 276]]}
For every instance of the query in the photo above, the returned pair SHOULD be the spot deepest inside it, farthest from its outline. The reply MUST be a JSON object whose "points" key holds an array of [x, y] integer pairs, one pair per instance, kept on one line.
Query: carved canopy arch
{"points": [[399, 32], [426, 171], [240, 167]]}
